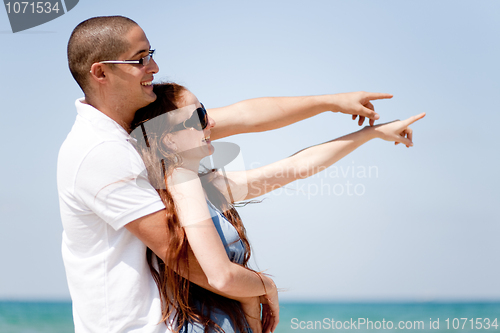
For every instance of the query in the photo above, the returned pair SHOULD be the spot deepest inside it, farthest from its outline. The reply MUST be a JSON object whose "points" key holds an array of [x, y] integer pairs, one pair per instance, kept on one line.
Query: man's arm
{"points": [[150, 229], [267, 113]]}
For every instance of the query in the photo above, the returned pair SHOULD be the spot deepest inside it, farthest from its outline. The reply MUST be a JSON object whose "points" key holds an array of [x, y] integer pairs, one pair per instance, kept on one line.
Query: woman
{"points": [[173, 136], [172, 151]]}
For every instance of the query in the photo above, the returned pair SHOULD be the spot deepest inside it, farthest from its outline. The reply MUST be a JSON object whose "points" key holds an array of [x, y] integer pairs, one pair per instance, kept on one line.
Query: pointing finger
{"points": [[375, 96], [413, 119]]}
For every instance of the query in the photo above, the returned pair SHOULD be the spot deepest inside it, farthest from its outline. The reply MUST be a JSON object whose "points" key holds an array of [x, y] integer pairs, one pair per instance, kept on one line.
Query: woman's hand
{"points": [[251, 307], [396, 131], [270, 309]]}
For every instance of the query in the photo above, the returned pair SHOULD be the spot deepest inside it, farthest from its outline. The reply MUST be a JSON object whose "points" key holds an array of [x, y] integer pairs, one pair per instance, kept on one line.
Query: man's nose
{"points": [[153, 67]]}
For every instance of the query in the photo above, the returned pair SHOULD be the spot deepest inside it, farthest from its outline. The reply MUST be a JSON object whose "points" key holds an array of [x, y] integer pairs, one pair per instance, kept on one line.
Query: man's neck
{"points": [[118, 113]]}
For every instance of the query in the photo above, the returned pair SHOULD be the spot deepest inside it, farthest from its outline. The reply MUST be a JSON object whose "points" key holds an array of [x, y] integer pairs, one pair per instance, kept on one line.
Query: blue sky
{"points": [[423, 227]]}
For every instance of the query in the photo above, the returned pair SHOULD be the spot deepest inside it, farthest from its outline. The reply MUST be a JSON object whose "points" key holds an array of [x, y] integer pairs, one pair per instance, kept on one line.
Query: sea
{"points": [[55, 317]]}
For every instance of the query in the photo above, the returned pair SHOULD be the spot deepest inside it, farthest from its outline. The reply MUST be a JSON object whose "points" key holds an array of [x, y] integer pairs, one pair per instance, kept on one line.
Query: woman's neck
{"points": [[191, 165]]}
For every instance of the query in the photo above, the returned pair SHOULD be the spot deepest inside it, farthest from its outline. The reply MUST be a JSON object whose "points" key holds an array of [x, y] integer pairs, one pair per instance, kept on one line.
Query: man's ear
{"points": [[97, 72]]}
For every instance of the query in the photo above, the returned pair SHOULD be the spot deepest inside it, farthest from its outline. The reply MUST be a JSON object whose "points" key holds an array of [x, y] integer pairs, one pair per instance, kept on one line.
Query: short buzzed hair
{"points": [[97, 39]]}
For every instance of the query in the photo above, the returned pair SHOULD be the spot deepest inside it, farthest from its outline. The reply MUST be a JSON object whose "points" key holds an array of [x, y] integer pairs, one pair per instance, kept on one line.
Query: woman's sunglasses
{"points": [[198, 121]]}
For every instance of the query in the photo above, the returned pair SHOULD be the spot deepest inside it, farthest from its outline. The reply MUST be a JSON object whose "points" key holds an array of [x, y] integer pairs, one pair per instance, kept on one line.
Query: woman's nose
{"points": [[211, 122]]}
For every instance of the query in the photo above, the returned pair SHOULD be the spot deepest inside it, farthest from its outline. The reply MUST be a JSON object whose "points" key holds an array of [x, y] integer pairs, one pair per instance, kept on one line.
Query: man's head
{"points": [[119, 86], [94, 40]]}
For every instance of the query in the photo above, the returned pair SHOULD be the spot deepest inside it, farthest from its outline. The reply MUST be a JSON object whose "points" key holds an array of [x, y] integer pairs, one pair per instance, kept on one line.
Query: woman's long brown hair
{"points": [[176, 292]]}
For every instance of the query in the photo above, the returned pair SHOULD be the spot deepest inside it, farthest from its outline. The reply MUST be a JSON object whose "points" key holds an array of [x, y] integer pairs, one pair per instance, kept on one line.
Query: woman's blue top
{"points": [[232, 243], [236, 252]]}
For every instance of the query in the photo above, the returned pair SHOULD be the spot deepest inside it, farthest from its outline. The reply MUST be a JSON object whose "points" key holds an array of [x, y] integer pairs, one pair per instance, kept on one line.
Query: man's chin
{"points": [[151, 95], [148, 100]]}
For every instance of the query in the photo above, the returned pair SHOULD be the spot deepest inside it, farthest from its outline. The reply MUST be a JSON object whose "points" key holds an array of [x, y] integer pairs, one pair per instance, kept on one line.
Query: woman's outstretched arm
{"points": [[307, 162], [267, 113]]}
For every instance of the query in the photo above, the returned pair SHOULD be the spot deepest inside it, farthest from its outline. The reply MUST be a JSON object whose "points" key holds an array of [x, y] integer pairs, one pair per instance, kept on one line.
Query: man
{"points": [[109, 216]]}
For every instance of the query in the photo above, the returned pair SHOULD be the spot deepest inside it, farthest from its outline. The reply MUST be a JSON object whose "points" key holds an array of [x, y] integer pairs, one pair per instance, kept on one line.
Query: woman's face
{"points": [[191, 143]]}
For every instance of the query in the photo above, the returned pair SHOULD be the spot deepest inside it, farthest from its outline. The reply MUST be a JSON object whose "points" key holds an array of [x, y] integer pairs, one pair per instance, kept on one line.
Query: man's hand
{"points": [[251, 307], [267, 318], [358, 104], [270, 309]]}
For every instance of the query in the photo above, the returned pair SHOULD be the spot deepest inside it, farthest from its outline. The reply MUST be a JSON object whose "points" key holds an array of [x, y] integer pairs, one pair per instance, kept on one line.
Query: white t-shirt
{"points": [[101, 189]]}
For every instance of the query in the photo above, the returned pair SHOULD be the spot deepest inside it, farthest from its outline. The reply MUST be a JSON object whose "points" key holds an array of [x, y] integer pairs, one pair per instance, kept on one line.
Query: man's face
{"points": [[131, 84]]}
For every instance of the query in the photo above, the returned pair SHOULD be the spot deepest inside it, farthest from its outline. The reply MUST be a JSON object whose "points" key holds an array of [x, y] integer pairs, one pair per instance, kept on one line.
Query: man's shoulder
{"points": [[91, 129], [84, 139], [88, 146]]}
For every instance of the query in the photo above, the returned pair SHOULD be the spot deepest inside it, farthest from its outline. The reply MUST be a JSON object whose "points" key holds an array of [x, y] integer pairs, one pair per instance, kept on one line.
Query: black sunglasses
{"points": [[144, 61], [198, 121]]}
